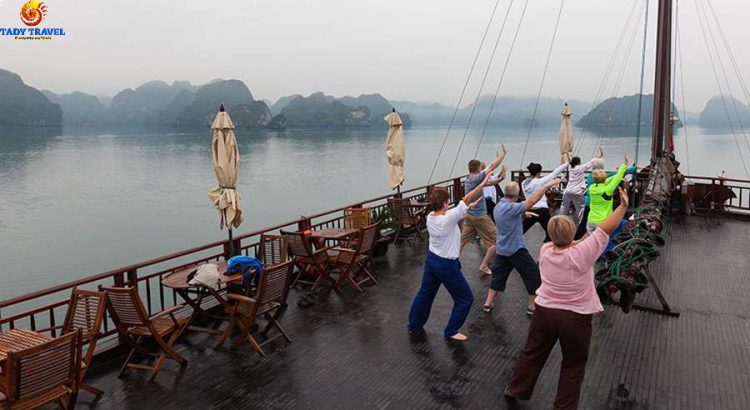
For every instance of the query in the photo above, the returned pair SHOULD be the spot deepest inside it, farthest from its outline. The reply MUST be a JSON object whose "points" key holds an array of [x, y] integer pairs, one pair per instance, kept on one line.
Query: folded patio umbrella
{"points": [[566, 136], [394, 150], [226, 159]]}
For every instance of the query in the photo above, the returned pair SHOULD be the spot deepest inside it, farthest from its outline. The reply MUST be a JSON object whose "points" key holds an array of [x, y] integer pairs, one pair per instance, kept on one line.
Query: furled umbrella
{"points": [[566, 136], [394, 150], [226, 159]]}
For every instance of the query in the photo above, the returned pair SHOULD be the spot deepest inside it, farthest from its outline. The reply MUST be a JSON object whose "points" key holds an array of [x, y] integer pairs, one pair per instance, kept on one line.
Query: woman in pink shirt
{"points": [[565, 304]]}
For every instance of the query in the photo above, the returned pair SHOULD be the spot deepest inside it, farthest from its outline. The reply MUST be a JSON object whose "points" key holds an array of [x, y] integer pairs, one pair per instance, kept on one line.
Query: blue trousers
{"points": [[447, 272]]}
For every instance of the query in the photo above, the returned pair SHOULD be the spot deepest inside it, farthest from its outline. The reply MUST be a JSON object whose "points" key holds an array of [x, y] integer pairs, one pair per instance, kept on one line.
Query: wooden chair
{"points": [[351, 263], [308, 261], [272, 250], [85, 313], [43, 374], [407, 218], [134, 324], [268, 303], [355, 218]]}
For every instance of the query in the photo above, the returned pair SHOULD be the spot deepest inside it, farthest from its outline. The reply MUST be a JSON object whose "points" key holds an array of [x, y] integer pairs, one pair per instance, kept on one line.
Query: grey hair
{"points": [[512, 189], [597, 163]]}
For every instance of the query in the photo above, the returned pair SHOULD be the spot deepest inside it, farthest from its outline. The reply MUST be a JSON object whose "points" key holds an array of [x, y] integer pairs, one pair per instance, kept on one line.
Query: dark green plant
{"points": [[385, 218]]}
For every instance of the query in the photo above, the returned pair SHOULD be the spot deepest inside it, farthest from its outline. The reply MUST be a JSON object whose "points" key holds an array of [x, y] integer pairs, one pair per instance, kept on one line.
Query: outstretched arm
{"points": [[500, 157], [552, 175], [536, 196], [614, 182]]}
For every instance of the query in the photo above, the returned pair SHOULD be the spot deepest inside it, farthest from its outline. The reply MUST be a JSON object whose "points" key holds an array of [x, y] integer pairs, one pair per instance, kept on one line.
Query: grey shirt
{"points": [[472, 182]]}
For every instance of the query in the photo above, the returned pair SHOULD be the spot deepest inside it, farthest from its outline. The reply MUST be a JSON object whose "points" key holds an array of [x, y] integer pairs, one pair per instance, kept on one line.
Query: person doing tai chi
{"points": [[575, 191], [565, 304], [601, 194], [531, 185], [477, 222], [442, 266], [511, 249], [596, 163]]}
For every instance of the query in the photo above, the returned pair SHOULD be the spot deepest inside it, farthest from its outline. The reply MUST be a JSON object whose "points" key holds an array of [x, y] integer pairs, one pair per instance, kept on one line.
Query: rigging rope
{"points": [[502, 76], [481, 87], [618, 82], [466, 84], [737, 71], [640, 91], [541, 86], [726, 79], [607, 72], [718, 83]]}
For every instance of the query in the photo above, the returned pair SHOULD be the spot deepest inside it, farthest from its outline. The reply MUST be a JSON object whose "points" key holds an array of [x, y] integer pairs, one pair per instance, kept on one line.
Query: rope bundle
{"points": [[624, 265]]}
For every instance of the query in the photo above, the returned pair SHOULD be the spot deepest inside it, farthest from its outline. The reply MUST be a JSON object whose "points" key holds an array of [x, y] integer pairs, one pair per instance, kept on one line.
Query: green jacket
{"points": [[601, 196]]}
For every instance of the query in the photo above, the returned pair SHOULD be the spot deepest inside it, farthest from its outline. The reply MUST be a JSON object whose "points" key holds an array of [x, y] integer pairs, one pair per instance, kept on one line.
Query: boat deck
{"points": [[353, 351]]}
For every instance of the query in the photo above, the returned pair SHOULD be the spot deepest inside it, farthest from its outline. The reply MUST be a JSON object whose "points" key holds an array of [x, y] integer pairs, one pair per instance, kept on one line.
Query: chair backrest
{"points": [[298, 244], [37, 370], [369, 236], [125, 307], [401, 210], [357, 218], [85, 312], [272, 249], [274, 283]]}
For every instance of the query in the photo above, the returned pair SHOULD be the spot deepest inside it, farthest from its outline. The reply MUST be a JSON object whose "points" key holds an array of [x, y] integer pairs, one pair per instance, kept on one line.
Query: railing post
{"points": [[458, 190], [132, 275]]}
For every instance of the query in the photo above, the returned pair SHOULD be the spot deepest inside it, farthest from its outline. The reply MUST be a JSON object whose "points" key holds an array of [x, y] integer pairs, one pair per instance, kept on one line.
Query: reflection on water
{"points": [[80, 201]]}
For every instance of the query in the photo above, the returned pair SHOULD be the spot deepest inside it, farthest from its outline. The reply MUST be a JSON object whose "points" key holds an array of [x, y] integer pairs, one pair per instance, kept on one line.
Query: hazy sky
{"points": [[413, 49]]}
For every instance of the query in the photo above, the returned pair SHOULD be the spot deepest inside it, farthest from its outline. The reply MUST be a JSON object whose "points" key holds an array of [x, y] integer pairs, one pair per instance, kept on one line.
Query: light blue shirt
{"points": [[472, 181], [509, 221]]}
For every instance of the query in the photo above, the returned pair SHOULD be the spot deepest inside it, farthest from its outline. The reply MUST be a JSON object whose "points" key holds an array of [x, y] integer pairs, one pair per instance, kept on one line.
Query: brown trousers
{"points": [[547, 326]]}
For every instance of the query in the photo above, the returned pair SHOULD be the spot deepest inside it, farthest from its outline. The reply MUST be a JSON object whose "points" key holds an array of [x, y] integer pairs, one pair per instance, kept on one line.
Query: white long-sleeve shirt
{"points": [[445, 235], [577, 179], [531, 185]]}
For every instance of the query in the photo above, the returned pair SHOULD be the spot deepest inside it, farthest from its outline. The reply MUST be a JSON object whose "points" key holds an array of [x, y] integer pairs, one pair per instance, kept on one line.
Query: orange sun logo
{"points": [[32, 12]]}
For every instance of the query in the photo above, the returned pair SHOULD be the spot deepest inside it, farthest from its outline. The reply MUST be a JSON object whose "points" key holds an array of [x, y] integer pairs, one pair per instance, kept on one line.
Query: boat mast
{"points": [[662, 80]]}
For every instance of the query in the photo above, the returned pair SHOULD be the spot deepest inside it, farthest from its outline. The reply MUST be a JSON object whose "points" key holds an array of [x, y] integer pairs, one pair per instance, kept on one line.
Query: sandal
{"points": [[488, 308]]}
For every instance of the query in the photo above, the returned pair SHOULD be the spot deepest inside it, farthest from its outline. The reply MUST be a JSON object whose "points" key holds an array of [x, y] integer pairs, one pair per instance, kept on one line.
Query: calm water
{"points": [[75, 203]]}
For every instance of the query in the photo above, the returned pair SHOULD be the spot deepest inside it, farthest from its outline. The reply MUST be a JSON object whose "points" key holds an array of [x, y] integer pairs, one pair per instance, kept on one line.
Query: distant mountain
{"points": [[379, 107], [425, 113], [237, 99], [621, 112], [714, 115], [144, 105], [79, 108], [321, 111], [282, 102], [25, 106]]}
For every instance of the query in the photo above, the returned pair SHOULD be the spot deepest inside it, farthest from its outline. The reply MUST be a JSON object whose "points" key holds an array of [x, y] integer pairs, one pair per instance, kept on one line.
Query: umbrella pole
{"points": [[231, 243]]}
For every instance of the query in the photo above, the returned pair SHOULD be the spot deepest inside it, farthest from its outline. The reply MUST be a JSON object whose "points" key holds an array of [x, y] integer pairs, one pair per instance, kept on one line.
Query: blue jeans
{"points": [[447, 272]]}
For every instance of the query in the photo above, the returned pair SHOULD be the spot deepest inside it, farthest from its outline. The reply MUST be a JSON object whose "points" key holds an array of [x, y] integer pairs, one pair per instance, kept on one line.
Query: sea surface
{"points": [[76, 202]]}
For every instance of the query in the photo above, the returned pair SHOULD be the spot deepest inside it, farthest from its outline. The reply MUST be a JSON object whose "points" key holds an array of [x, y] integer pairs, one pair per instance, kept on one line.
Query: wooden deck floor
{"points": [[354, 351]]}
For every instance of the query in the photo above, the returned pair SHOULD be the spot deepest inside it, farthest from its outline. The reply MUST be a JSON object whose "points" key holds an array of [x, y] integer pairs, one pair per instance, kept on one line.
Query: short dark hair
{"points": [[474, 165], [534, 168], [575, 161], [438, 197]]}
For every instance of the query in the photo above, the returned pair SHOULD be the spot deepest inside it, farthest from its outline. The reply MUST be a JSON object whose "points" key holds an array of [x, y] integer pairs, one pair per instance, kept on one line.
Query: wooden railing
{"points": [[712, 203], [44, 308]]}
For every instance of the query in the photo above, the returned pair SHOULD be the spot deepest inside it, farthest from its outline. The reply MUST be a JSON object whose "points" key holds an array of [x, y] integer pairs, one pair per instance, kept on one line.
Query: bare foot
{"points": [[459, 337], [486, 269]]}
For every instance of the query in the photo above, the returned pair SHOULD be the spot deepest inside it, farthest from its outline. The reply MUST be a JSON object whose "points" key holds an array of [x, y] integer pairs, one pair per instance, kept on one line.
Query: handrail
{"points": [[154, 261]]}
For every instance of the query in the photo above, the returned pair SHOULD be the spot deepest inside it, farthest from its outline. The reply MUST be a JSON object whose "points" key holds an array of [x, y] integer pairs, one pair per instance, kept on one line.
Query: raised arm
{"points": [[500, 178], [500, 157], [614, 181], [552, 175], [613, 220], [536, 196]]}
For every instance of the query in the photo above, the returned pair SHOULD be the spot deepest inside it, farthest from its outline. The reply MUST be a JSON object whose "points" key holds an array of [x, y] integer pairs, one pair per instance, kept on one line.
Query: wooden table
{"points": [[334, 234], [194, 294], [20, 339]]}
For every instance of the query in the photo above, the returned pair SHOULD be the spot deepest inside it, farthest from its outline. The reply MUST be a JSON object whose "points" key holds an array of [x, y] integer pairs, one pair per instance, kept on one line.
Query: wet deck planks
{"points": [[353, 351]]}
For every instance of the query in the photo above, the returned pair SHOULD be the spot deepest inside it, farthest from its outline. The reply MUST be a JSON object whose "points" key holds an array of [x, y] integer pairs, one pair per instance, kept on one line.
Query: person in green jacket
{"points": [[601, 194], [596, 163]]}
